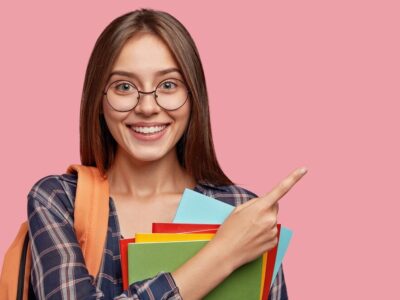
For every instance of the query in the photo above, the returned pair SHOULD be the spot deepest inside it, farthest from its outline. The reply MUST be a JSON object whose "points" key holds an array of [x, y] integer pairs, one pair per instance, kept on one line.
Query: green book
{"points": [[146, 260]]}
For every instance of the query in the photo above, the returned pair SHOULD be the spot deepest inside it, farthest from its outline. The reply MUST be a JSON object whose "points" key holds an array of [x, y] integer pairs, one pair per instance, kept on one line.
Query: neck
{"points": [[131, 178]]}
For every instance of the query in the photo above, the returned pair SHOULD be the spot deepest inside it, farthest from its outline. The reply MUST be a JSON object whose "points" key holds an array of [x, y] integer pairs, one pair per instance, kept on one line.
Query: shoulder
{"points": [[54, 191], [230, 194]]}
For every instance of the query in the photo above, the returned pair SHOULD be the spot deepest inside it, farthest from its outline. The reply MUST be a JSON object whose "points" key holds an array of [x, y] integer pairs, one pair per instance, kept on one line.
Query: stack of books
{"points": [[170, 245]]}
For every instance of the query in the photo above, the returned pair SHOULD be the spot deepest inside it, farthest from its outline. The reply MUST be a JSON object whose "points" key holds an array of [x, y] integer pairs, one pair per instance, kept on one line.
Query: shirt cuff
{"points": [[162, 287]]}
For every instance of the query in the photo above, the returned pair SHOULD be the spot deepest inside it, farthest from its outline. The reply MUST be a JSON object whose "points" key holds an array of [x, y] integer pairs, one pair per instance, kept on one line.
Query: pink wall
{"points": [[291, 83]]}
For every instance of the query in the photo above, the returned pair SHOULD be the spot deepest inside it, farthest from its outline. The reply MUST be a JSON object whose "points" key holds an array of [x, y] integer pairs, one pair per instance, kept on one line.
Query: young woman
{"points": [[145, 125]]}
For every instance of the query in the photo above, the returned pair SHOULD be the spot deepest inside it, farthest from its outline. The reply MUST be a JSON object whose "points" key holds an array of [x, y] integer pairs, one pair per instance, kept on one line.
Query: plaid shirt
{"points": [[58, 268]]}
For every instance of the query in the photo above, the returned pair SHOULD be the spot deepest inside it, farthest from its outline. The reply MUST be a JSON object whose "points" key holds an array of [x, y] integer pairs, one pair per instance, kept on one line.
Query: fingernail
{"points": [[303, 170]]}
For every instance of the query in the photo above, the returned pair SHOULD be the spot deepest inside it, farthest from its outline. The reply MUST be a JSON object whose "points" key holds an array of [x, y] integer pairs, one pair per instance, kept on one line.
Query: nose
{"points": [[147, 104]]}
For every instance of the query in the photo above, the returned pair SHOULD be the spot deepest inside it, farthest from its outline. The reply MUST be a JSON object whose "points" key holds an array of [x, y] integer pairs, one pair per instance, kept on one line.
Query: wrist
{"points": [[217, 251]]}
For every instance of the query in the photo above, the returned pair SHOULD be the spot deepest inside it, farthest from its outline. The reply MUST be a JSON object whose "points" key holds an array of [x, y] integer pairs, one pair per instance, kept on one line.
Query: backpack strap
{"points": [[14, 279], [91, 214]]}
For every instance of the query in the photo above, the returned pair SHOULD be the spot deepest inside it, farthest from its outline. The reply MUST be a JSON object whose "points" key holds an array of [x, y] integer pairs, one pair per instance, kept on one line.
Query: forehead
{"points": [[144, 54]]}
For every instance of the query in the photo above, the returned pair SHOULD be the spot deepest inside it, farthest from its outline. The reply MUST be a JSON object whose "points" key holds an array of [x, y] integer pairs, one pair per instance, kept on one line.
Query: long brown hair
{"points": [[195, 149]]}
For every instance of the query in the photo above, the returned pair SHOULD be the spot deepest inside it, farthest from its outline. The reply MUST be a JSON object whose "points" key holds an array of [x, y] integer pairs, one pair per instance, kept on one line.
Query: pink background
{"points": [[291, 83]]}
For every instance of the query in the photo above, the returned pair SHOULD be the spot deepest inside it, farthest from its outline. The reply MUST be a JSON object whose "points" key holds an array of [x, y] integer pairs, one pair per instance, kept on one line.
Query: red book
{"points": [[123, 246], [193, 228], [184, 228]]}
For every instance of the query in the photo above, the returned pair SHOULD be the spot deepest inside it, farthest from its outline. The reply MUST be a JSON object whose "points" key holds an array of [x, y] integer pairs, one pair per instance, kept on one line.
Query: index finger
{"points": [[284, 186]]}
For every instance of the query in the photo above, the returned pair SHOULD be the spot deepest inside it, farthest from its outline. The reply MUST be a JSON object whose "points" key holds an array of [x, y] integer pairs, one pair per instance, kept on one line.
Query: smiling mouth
{"points": [[148, 130]]}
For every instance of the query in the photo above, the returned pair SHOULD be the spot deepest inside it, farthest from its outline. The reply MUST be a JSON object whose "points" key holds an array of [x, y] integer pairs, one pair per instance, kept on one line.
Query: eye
{"points": [[168, 85], [123, 87]]}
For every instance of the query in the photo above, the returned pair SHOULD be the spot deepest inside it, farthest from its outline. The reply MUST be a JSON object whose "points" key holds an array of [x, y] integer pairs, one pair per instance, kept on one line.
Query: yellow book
{"points": [[264, 266]]}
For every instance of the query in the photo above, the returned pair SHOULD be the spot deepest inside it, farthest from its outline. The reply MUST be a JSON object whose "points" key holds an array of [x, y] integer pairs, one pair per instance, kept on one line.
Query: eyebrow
{"points": [[133, 75]]}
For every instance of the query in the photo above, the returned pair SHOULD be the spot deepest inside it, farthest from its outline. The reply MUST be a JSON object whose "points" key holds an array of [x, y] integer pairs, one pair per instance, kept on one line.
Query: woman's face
{"points": [[141, 60]]}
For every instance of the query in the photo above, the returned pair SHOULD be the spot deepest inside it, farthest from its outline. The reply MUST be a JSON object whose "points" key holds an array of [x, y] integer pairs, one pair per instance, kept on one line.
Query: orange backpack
{"points": [[91, 213]]}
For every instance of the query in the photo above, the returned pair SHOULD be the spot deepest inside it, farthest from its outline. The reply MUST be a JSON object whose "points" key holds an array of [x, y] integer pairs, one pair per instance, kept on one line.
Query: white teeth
{"points": [[152, 129]]}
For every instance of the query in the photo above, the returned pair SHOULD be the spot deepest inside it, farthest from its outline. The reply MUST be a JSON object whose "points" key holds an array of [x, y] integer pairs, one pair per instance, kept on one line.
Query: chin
{"points": [[147, 156]]}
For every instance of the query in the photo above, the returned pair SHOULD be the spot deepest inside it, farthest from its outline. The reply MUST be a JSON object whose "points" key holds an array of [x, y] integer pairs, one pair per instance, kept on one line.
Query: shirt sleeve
{"points": [[58, 268]]}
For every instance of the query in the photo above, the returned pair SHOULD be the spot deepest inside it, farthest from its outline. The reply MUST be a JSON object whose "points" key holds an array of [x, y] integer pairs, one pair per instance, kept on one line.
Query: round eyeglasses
{"points": [[170, 94]]}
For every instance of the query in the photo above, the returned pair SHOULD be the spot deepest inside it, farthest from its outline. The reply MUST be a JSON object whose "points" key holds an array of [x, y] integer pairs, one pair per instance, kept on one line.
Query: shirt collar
{"points": [[204, 185]]}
